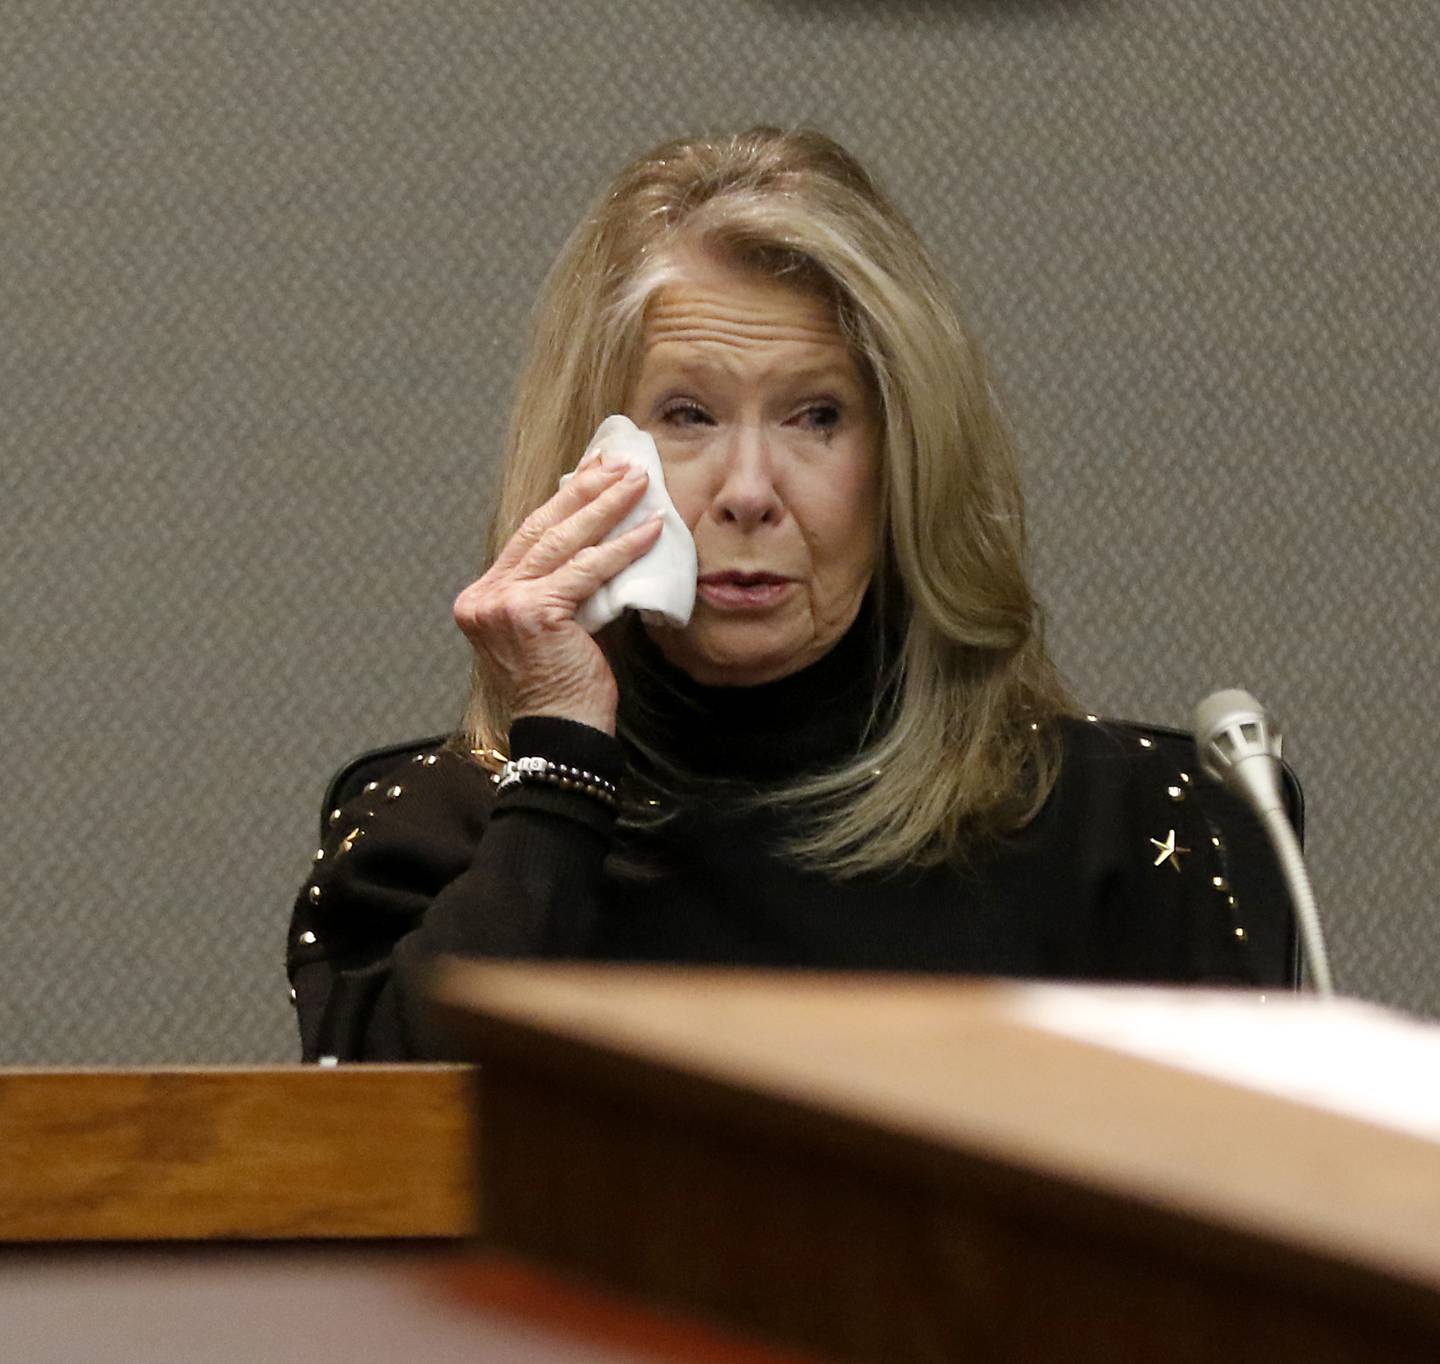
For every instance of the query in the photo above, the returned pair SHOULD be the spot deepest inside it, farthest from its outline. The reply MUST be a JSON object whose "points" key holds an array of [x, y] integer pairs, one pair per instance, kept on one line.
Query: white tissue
{"points": [[661, 583]]}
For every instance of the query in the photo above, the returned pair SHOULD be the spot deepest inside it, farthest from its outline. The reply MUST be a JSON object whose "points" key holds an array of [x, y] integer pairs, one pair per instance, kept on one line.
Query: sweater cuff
{"points": [[575, 745], [569, 742]]}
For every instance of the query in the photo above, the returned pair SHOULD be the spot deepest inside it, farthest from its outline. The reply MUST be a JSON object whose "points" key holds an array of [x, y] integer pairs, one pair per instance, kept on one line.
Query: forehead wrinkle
{"points": [[695, 327], [778, 311], [704, 358], [727, 341], [695, 346]]}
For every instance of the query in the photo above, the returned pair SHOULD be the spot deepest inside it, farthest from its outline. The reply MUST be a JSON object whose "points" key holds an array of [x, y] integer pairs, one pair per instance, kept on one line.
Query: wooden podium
{"points": [[689, 1166], [905, 1170]]}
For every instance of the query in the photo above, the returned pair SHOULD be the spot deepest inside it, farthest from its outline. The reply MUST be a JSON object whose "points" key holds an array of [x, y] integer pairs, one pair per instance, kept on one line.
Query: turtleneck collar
{"points": [[800, 723]]}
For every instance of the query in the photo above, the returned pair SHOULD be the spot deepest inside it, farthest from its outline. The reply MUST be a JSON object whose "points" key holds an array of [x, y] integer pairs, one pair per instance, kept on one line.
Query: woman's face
{"points": [[770, 438]]}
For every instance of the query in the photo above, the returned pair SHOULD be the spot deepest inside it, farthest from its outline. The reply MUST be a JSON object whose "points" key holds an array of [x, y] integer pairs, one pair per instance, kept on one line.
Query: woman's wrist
{"points": [[562, 776], [593, 705], [592, 717], [572, 742], [561, 766]]}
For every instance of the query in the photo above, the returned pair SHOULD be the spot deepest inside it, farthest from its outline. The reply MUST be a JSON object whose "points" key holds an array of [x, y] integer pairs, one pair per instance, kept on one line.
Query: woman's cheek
{"points": [[684, 488]]}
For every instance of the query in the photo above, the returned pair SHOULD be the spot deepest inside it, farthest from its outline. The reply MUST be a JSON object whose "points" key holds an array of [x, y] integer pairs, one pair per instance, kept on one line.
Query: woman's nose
{"points": [[747, 496]]}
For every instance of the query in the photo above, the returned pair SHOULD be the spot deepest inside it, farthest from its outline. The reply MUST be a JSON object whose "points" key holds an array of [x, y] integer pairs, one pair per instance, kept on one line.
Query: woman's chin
{"points": [[734, 653]]}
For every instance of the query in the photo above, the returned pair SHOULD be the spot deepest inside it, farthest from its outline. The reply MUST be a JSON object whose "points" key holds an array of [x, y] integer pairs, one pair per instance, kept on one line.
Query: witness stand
{"points": [[676, 1165], [287, 1214]]}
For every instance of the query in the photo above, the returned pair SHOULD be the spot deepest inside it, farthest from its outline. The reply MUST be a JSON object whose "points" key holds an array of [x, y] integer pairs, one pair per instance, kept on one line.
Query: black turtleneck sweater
{"points": [[445, 867]]}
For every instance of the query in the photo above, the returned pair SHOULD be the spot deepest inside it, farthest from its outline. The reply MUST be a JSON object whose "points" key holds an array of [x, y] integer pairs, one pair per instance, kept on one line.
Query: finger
{"points": [[519, 607], [594, 565], [614, 500], [587, 526], [587, 484]]}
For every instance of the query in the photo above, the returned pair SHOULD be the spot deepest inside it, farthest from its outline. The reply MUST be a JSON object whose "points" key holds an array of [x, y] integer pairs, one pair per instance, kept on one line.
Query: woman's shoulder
{"points": [[407, 831], [1131, 787], [1138, 791], [1148, 759], [444, 787]]}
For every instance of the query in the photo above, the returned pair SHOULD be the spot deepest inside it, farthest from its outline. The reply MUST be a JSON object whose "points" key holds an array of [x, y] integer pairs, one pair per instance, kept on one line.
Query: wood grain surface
{"points": [[899, 1171], [248, 1154]]}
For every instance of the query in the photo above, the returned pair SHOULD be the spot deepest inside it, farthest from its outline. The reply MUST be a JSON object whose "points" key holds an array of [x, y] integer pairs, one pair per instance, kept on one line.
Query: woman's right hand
{"points": [[520, 615]]}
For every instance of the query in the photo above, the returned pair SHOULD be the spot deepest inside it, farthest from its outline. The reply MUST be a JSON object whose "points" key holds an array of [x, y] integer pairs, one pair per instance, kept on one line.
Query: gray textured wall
{"points": [[263, 274]]}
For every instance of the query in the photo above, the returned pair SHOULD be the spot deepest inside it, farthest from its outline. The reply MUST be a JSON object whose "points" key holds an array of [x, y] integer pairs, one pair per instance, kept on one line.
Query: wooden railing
{"points": [[286, 1152]]}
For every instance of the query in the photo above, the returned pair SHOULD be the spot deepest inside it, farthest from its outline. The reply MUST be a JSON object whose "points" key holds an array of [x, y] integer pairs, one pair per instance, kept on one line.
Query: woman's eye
{"points": [[685, 414], [821, 416]]}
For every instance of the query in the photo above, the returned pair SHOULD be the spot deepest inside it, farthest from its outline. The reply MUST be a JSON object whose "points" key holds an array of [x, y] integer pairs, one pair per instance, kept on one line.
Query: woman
{"points": [[856, 754]]}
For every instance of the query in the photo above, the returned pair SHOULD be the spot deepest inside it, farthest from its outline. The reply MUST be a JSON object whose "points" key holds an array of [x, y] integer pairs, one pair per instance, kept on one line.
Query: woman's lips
{"points": [[733, 591]]}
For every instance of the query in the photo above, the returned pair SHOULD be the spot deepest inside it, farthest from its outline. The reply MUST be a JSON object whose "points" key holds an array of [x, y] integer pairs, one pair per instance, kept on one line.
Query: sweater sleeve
{"points": [[428, 862]]}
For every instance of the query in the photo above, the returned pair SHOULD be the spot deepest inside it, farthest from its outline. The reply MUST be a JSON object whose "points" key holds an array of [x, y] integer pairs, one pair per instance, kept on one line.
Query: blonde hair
{"points": [[966, 746]]}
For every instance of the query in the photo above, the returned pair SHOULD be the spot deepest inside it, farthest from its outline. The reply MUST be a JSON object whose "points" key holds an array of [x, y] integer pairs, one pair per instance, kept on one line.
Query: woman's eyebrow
{"points": [[827, 373], [669, 369], [831, 372]]}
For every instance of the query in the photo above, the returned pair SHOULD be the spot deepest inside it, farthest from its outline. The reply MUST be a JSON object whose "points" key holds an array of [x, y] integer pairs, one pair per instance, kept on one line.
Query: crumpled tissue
{"points": [[661, 583]]}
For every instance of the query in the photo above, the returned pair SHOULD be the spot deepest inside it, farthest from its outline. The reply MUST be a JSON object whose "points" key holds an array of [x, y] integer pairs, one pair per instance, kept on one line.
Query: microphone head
{"points": [[1231, 726]]}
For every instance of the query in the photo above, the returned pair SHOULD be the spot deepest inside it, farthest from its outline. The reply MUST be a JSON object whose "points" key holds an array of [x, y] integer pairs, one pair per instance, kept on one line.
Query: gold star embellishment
{"points": [[1166, 850]]}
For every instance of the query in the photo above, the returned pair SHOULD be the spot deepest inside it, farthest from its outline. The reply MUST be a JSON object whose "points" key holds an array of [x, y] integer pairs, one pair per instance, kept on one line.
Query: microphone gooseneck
{"points": [[1239, 747]]}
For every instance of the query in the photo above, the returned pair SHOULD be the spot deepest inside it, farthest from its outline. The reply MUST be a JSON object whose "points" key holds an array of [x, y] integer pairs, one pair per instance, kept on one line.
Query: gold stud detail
{"points": [[1185, 779], [430, 759], [1146, 743], [1175, 792], [314, 895], [1218, 882], [1214, 840], [1240, 934], [334, 816], [319, 855], [307, 938], [1094, 719], [393, 793], [1168, 850], [292, 994], [369, 787]]}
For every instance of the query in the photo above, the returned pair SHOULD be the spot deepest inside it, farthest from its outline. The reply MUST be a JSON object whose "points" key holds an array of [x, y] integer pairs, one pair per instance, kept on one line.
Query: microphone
{"points": [[1239, 747]]}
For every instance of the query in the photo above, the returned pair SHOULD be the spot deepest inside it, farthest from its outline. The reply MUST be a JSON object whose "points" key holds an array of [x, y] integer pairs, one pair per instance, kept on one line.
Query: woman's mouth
{"points": [[737, 591]]}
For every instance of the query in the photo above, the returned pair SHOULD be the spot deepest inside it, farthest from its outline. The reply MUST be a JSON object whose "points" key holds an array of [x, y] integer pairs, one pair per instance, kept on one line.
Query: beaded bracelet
{"points": [[519, 770]]}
